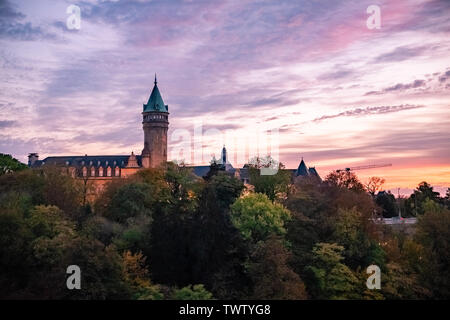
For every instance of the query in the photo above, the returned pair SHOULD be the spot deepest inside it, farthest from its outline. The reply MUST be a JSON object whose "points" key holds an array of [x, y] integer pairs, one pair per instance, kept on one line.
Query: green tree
{"points": [[257, 217], [195, 292], [329, 278], [8, 164], [416, 201], [359, 249], [130, 201], [433, 233], [274, 186], [386, 201]]}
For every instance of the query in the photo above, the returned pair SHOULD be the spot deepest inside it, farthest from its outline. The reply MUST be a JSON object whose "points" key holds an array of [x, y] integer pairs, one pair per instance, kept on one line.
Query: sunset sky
{"points": [[338, 93]]}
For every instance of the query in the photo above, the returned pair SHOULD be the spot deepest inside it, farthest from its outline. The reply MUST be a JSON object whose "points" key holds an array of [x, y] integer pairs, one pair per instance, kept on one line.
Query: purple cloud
{"points": [[369, 111]]}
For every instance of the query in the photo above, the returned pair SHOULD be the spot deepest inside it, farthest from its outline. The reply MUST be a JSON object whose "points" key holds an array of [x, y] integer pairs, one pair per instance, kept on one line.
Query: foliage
{"points": [[257, 217], [274, 186], [271, 275], [344, 179], [374, 184], [434, 235], [136, 275], [331, 278], [8, 164], [386, 201], [150, 234], [195, 292]]}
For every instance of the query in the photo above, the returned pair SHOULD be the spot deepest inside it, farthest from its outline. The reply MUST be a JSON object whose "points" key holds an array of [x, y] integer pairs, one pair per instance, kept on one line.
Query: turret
{"points": [[155, 121]]}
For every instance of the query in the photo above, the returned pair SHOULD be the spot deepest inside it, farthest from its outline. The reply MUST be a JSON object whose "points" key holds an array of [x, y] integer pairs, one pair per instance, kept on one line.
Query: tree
{"points": [[344, 179], [8, 164], [374, 184], [227, 189], [201, 245], [137, 277], [195, 292], [257, 217], [271, 275], [274, 186], [447, 198], [130, 201], [359, 249], [423, 192], [433, 233], [387, 203], [328, 277]]}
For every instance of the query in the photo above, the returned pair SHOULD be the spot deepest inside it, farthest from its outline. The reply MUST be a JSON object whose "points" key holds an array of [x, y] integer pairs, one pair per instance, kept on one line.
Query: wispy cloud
{"points": [[369, 111], [12, 26], [400, 87]]}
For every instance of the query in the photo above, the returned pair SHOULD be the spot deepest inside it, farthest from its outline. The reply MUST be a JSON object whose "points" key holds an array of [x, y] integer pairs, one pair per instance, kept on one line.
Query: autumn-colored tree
{"points": [[374, 184], [271, 275], [344, 179], [137, 277]]}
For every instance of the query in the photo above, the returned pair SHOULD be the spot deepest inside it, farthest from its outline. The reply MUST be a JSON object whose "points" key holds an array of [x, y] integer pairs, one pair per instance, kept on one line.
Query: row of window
{"points": [[91, 163], [156, 117], [101, 172]]}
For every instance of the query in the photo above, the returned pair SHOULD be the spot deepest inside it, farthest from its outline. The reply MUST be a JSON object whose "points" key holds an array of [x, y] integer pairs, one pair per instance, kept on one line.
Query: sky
{"points": [[312, 75]]}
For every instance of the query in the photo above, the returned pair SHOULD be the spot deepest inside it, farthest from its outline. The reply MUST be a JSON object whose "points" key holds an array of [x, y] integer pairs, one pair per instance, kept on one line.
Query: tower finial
{"points": [[155, 79]]}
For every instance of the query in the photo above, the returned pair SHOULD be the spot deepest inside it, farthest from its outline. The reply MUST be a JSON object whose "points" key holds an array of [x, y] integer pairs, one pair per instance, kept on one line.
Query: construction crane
{"points": [[371, 166]]}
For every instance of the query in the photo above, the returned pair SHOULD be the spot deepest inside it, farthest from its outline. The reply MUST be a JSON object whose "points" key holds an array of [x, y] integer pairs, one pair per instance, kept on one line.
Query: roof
{"points": [[155, 102], [200, 171], [302, 170], [88, 161]]}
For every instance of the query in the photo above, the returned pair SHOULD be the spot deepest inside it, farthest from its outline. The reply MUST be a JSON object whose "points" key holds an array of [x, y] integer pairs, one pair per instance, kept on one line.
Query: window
{"points": [[108, 171], [92, 172], [100, 171], [117, 172], [84, 171]]}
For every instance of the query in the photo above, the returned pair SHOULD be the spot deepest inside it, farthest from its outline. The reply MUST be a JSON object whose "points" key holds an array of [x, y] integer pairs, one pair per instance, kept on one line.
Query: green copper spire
{"points": [[155, 102]]}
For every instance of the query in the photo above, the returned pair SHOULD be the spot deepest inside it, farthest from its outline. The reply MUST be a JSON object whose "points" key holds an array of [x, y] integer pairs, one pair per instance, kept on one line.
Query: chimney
{"points": [[32, 158]]}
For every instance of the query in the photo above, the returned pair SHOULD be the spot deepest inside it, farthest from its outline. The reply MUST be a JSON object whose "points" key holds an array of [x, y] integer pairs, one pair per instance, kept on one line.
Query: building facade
{"points": [[104, 168]]}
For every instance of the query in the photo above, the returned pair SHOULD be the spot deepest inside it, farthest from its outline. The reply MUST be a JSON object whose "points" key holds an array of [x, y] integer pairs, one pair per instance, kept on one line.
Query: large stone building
{"points": [[104, 168], [155, 121]]}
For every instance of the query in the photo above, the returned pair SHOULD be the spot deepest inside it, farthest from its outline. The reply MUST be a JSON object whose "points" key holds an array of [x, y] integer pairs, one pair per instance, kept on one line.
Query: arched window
{"points": [[84, 171], [100, 172], [92, 171], [117, 172], [108, 171]]}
